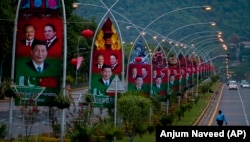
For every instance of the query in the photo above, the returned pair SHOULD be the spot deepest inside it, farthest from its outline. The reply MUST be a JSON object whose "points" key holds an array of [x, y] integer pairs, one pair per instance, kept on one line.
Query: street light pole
{"points": [[207, 8], [13, 68], [64, 69], [77, 55]]}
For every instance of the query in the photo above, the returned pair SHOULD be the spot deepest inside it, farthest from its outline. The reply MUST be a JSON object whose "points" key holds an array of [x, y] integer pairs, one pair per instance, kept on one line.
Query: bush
{"points": [[151, 128], [183, 109], [70, 79], [189, 106], [214, 78], [2, 130], [167, 120], [178, 112], [204, 88]]}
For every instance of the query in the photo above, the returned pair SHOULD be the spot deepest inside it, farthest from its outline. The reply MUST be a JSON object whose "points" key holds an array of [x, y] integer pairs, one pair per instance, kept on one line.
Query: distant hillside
{"points": [[232, 17]]}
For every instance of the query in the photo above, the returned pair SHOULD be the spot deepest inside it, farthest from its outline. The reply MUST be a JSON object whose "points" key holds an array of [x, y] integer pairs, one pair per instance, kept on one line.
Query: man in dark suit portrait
{"points": [[39, 53], [139, 83], [113, 61], [144, 72], [29, 31], [101, 84], [106, 73], [172, 84], [100, 61], [134, 73], [24, 46], [158, 88], [50, 35]]}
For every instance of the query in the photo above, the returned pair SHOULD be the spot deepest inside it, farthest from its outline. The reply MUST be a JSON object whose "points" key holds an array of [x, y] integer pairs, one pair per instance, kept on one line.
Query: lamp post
{"points": [[203, 43], [209, 23], [197, 67], [195, 34], [207, 8], [198, 33], [64, 69], [12, 69]]}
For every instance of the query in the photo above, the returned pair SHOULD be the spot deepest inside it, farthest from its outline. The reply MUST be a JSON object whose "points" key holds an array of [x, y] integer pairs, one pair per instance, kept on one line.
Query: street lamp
{"points": [[197, 85], [207, 8], [198, 33], [203, 43], [209, 23]]}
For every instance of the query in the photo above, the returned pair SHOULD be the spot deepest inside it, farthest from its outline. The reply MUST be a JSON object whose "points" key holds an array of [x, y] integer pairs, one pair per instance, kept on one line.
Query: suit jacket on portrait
{"points": [[55, 49], [34, 40], [96, 65], [103, 84], [22, 49], [159, 91], [116, 68], [32, 66], [53, 43]]}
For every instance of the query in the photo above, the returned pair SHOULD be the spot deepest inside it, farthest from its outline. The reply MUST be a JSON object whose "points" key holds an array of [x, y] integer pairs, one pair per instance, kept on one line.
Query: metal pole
{"points": [[12, 69], [64, 69], [115, 104], [197, 79], [77, 54]]}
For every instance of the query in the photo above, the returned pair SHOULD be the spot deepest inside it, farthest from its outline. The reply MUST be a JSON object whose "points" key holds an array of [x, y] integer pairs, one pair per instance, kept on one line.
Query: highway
{"points": [[234, 104]]}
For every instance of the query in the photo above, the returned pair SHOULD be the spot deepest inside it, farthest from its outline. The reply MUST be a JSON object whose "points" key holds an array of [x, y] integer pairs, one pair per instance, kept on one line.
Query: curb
{"points": [[205, 109]]}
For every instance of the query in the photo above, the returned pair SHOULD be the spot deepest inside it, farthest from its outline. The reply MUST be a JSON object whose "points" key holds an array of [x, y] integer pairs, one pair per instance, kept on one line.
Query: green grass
{"points": [[191, 116], [146, 138]]}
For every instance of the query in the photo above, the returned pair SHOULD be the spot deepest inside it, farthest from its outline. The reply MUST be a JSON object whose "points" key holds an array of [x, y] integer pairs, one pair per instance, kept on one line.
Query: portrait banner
{"points": [[139, 69], [160, 74], [39, 48], [107, 61]]}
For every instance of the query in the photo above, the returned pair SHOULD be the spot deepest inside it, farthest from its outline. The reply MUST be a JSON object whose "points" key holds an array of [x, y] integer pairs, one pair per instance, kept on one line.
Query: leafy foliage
{"points": [[134, 110], [214, 78], [62, 101], [6, 88], [3, 131]]}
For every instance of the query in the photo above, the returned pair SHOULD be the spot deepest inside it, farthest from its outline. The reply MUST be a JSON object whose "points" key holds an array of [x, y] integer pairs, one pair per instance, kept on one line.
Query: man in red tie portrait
{"points": [[29, 32], [114, 63], [100, 61], [52, 41]]}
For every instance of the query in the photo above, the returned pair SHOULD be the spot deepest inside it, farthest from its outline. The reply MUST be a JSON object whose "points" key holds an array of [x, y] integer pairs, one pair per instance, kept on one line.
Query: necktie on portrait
{"points": [[99, 66], [39, 69], [106, 83], [48, 42], [29, 43]]}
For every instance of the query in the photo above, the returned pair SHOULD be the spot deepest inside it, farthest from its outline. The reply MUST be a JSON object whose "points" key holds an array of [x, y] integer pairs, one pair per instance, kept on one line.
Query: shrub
{"points": [[214, 78], [2, 130], [151, 128], [166, 119], [189, 106], [178, 112], [183, 109], [204, 88]]}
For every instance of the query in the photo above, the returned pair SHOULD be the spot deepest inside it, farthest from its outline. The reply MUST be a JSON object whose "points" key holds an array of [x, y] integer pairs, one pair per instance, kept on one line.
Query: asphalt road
{"points": [[234, 104]]}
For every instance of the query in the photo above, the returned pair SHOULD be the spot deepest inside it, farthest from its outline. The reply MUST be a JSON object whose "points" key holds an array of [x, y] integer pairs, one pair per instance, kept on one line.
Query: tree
{"points": [[134, 110], [7, 13]]}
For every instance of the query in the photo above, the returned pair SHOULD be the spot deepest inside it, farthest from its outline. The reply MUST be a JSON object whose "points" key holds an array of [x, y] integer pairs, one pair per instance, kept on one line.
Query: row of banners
{"points": [[39, 58]]}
